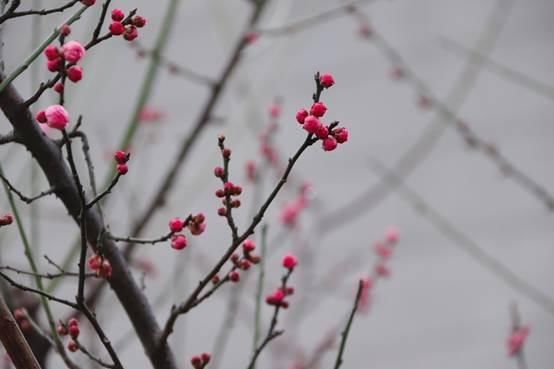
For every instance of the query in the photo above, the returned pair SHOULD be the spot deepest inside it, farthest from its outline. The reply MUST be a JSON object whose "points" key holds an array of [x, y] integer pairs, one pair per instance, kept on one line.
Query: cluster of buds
{"points": [[196, 225], [20, 316], [6, 219], [277, 298], [243, 262], [121, 158], [71, 52], [55, 116], [384, 249], [330, 135], [200, 361], [516, 340], [126, 26], [229, 189], [100, 265], [71, 329]]}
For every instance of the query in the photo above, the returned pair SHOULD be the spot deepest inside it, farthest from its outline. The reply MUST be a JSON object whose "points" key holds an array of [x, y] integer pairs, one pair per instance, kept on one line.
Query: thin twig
{"points": [[464, 242], [346, 331], [44, 275], [38, 292], [22, 197], [10, 15], [272, 332]]}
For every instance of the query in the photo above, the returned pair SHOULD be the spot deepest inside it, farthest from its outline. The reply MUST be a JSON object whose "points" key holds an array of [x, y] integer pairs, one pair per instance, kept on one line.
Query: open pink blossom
{"points": [[56, 117], [73, 51]]}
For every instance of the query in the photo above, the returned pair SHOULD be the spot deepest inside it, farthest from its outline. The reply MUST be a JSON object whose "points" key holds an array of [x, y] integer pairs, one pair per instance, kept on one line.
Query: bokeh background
{"points": [[441, 307]]}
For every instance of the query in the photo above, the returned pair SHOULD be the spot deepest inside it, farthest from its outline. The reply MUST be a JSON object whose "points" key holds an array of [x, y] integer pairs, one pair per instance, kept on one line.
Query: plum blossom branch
{"points": [[468, 135], [346, 331], [502, 70], [44, 275], [272, 331], [312, 20], [420, 149], [12, 76], [13, 14], [38, 292], [464, 242], [172, 67], [22, 197], [92, 357]]}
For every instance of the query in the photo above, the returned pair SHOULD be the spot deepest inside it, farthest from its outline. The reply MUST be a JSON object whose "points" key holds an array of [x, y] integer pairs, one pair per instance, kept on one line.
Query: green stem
{"points": [[33, 266], [9, 79]]}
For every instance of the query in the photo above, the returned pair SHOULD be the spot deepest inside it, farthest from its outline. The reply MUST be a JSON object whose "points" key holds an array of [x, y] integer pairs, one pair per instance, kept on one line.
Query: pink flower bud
{"points": [[301, 115], [88, 2], [139, 21], [219, 172], [326, 80], [122, 169], [118, 15], [318, 109], [341, 134], [176, 224], [74, 331], [56, 117], [234, 276], [51, 52], [73, 51], [322, 132], [205, 357], [116, 28], [75, 73], [121, 157], [329, 144], [58, 87], [248, 246], [179, 242], [289, 261], [72, 346], [54, 65], [41, 116], [131, 32], [311, 124]]}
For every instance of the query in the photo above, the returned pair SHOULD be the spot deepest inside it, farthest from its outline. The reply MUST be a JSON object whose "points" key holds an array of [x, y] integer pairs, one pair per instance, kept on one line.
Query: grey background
{"points": [[439, 308]]}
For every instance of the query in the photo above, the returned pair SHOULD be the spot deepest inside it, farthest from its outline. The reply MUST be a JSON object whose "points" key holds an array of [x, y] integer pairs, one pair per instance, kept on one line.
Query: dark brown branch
{"points": [[190, 302], [346, 330], [14, 14], [272, 332], [13, 340], [203, 120], [48, 155], [87, 353], [45, 275], [22, 197], [38, 292]]}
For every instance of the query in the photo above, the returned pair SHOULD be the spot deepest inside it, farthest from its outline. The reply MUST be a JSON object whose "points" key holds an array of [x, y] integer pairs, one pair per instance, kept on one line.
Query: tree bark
{"points": [[49, 156]]}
